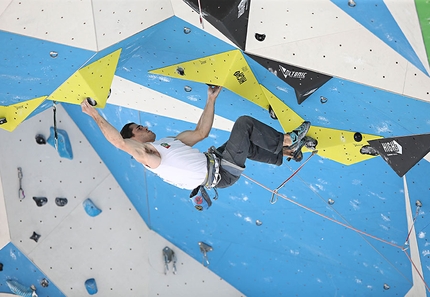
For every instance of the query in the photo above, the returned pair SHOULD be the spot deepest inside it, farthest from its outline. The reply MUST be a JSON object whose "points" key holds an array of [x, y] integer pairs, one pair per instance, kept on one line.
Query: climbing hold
{"points": [[91, 101], [3, 121], [323, 99], [188, 89], [368, 150], [40, 201], [386, 287], [180, 71], [258, 222], [53, 54], [60, 201], [91, 286], [330, 201], [44, 283], [64, 148], [272, 113], [35, 236], [1, 266], [351, 3], [260, 37], [418, 203], [187, 30], [19, 289], [90, 208], [358, 137], [40, 139]]}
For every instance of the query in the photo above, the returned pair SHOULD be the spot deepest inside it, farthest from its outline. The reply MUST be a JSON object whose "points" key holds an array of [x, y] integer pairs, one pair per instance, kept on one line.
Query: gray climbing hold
{"points": [[91, 286], [61, 201], [35, 236], [40, 201], [90, 208]]}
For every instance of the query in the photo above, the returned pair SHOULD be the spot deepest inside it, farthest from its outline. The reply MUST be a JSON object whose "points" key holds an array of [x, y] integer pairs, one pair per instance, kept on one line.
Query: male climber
{"points": [[176, 161]]}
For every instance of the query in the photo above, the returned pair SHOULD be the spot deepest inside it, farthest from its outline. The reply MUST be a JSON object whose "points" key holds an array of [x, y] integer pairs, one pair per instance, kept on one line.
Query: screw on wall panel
{"points": [[205, 248], [323, 99], [187, 30], [351, 3]]}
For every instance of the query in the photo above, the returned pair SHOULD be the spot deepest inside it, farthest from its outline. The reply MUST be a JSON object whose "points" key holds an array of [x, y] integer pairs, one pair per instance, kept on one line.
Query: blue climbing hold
{"points": [[90, 208], [18, 288], [91, 286], [64, 148]]}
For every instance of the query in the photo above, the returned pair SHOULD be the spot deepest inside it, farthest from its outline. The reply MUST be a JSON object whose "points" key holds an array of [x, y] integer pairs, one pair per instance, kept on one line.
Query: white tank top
{"points": [[181, 165]]}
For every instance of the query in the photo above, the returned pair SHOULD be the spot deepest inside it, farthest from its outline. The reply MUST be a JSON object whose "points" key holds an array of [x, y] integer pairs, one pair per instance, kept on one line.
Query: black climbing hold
{"points": [[110, 92], [1, 266], [180, 71], [272, 113], [40, 201], [187, 30], [40, 139], [44, 283], [3, 121], [91, 101], [358, 137], [188, 89], [260, 37], [351, 3], [323, 99], [61, 201], [35, 236]]}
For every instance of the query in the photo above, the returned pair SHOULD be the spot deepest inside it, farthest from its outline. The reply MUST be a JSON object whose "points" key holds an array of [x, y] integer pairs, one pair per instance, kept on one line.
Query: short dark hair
{"points": [[126, 131]]}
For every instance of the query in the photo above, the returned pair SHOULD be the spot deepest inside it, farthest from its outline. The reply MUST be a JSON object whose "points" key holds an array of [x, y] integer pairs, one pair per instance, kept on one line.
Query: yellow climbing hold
{"points": [[15, 114], [93, 80]]}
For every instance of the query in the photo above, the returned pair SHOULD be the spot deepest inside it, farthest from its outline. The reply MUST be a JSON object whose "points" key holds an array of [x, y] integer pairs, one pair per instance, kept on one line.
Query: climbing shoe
{"points": [[298, 134]]}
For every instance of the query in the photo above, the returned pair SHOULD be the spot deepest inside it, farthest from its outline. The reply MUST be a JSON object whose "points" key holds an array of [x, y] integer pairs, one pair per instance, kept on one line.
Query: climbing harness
{"points": [[274, 198], [213, 176], [21, 194], [169, 256]]}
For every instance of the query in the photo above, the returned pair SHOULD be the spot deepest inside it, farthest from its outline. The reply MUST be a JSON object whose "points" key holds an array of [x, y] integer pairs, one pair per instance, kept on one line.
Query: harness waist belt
{"points": [[213, 176]]}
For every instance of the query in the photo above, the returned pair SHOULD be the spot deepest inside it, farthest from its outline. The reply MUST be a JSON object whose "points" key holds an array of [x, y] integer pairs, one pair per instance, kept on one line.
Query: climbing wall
{"points": [[73, 243], [347, 224]]}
